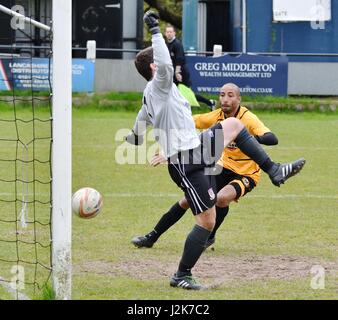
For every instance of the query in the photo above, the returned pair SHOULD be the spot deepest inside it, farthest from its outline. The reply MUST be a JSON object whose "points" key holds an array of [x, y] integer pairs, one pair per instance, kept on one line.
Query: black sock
{"points": [[249, 145], [174, 214], [220, 215], [193, 248]]}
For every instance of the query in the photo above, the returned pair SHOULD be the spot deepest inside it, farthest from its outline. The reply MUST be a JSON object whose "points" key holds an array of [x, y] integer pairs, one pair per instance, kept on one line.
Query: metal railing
{"points": [[25, 19]]}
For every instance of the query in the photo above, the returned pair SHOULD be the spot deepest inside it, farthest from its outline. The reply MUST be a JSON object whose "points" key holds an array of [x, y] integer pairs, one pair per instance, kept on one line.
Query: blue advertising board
{"points": [[255, 75], [36, 74]]}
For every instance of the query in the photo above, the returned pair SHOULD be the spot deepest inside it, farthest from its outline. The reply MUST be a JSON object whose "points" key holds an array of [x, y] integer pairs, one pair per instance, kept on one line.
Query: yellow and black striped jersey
{"points": [[233, 158]]}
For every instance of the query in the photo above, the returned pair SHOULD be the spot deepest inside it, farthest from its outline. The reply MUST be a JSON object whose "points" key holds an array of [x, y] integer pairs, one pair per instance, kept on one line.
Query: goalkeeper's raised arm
{"points": [[163, 77]]}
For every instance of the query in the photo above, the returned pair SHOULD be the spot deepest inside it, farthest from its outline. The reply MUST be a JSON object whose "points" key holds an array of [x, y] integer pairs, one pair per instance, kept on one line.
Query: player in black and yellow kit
{"points": [[238, 173]]}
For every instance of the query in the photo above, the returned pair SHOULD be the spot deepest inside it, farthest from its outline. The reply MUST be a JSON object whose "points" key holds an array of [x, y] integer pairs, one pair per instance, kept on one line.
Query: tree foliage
{"points": [[170, 10]]}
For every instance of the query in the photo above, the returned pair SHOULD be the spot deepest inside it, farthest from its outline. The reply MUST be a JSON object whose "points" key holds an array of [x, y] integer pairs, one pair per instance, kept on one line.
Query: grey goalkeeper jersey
{"points": [[165, 108]]}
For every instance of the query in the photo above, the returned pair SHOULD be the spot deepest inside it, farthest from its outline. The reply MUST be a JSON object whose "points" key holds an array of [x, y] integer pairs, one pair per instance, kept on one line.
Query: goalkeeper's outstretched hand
{"points": [[151, 20]]}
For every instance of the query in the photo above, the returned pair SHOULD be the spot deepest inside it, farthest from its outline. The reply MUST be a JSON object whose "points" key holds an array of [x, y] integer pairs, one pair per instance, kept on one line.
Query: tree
{"points": [[170, 11]]}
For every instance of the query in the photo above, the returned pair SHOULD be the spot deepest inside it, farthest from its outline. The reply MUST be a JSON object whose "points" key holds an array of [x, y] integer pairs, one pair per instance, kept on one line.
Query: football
{"points": [[87, 203]]}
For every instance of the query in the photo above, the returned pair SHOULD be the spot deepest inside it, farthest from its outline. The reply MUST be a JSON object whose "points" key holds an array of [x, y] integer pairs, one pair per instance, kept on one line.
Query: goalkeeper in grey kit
{"points": [[191, 155]]}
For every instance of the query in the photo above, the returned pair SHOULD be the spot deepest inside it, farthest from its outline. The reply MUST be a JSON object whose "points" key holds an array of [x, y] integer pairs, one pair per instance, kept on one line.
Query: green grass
{"points": [[264, 250], [130, 101], [132, 96], [15, 244], [23, 93], [299, 220], [46, 293]]}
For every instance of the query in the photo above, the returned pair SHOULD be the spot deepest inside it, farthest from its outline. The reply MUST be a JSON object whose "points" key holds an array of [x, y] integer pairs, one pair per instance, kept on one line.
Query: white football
{"points": [[87, 203]]}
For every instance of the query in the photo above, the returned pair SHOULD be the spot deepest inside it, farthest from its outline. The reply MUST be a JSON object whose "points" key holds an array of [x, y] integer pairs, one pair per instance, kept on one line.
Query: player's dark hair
{"points": [[142, 63], [168, 25]]}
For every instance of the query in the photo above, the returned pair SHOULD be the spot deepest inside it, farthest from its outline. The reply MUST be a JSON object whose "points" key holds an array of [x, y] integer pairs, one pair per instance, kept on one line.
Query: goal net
{"points": [[27, 156]]}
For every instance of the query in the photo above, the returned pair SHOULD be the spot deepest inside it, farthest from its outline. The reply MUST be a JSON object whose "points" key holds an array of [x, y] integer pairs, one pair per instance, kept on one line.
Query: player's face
{"points": [[153, 68], [229, 99], [170, 33]]}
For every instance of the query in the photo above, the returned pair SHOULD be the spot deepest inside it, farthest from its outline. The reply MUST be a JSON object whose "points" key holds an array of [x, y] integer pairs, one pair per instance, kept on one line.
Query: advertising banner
{"points": [[255, 75], [36, 74], [301, 10]]}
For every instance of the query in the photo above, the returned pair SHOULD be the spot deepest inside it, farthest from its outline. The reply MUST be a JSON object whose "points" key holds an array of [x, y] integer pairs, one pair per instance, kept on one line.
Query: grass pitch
{"points": [[276, 243], [266, 249]]}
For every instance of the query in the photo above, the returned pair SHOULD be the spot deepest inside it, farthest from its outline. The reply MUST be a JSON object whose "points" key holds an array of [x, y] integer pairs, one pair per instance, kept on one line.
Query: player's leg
{"points": [[225, 194], [232, 187], [234, 130], [174, 214], [200, 192], [193, 248], [221, 213], [237, 186]]}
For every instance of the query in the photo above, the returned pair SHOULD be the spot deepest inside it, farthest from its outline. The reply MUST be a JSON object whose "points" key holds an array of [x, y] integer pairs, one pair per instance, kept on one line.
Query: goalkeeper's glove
{"points": [[151, 20], [134, 139]]}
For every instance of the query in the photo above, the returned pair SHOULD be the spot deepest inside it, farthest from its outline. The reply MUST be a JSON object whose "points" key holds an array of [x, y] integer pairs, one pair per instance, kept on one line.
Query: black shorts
{"points": [[242, 184], [199, 188], [192, 170]]}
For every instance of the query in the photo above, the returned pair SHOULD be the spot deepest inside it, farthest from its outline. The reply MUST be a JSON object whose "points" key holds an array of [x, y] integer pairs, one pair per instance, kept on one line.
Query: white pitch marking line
{"points": [[175, 195], [99, 146], [169, 195]]}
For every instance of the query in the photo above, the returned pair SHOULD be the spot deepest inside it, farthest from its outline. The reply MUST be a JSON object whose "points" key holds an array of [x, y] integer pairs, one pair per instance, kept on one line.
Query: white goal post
{"points": [[62, 148], [62, 141]]}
